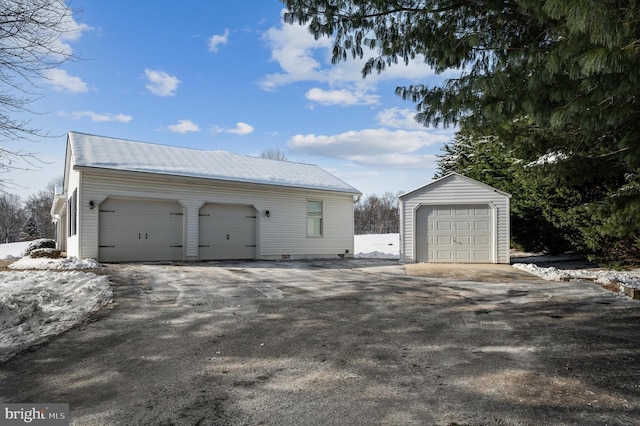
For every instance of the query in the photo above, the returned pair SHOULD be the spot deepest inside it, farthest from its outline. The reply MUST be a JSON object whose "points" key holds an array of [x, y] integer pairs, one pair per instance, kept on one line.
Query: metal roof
{"points": [[124, 155]]}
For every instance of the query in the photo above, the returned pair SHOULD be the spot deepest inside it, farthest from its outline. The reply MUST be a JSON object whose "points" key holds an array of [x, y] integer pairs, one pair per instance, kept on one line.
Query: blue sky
{"points": [[229, 76]]}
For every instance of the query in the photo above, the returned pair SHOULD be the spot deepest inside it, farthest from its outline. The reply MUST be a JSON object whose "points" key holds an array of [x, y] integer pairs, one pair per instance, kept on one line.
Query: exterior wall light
{"points": [[267, 213], [91, 205]]}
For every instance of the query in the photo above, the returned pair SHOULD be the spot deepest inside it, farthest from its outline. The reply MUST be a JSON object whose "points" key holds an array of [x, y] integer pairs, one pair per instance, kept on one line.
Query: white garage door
{"points": [[227, 231], [140, 230], [457, 233]]}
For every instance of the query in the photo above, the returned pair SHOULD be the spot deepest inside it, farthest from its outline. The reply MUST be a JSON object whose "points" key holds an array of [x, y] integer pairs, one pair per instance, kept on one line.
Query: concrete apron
{"points": [[469, 272]]}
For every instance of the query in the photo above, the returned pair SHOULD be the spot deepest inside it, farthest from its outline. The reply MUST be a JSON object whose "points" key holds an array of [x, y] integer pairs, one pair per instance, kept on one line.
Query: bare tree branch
{"points": [[34, 36]]}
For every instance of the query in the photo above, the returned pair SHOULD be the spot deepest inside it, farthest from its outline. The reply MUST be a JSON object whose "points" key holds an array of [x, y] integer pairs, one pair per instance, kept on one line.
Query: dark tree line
{"points": [[29, 219], [376, 215]]}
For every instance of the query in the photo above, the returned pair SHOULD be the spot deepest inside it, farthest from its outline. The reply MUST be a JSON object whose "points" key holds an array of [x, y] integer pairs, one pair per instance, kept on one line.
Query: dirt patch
{"points": [[4, 263], [469, 272]]}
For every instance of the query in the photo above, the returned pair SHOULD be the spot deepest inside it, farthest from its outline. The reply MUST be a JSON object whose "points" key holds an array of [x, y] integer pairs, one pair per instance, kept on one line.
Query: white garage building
{"points": [[454, 219], [133, 201]]}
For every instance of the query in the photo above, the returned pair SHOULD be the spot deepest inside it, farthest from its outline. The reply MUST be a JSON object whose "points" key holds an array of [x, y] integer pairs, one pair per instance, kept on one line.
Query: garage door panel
{"points": [[463, 255], [454, 234], [444, 255], [463, 225], [483, 255], [444, 226], [482, 225], [444, 240], [481, 240], [227, 231], [464, 240], [140, 230]]}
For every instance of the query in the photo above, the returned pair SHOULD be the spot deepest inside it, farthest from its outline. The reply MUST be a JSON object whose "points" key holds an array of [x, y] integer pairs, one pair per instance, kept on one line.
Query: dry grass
{"points": [[6, 262]]}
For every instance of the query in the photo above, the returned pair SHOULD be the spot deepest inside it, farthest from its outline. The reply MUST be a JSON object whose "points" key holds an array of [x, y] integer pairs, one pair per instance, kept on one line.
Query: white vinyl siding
{"points": [[450, 193], [281, 234], [314, 218]]}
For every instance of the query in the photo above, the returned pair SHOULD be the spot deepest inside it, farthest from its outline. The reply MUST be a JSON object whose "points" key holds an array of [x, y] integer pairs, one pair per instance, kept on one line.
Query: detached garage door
{"points": [[227, 231], [140, 230], [456, 233]]}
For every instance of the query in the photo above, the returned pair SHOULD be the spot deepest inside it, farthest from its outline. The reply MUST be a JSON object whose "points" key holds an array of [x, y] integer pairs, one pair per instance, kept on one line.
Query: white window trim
{"points": [[321, 234]]}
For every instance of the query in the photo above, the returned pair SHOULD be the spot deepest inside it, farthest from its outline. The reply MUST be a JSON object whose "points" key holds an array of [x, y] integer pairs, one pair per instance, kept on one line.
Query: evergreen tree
{"points": [[38, 206], [488, 159], [30, 230], [556, 82]]}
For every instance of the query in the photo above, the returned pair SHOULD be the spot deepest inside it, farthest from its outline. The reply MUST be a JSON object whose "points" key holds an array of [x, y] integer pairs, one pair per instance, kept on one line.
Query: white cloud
{"points": [[400, 118], [240, 129], [369, 147], [58, 37], [184, 126], [218, 40], [302, 58], [292, 47], [94, 116], [341, 97], [160, 83], [63, 82]]}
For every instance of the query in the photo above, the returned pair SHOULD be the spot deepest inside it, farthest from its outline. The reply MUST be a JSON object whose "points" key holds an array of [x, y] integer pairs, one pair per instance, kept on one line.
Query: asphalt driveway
{"points": [[333, 343]]}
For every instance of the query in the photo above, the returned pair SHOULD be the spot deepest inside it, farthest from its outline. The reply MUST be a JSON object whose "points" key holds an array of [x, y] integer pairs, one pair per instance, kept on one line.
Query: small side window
{"points": [[72, 211], [314, 218]]}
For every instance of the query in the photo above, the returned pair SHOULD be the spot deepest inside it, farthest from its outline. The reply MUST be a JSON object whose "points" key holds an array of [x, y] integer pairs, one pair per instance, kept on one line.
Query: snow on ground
{"points": [[601, 276], [377, 246], [13, 250], [65, 263], [40, 302]]}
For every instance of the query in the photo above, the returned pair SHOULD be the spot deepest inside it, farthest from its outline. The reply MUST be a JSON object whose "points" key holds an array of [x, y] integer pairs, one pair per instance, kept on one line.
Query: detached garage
{"points": [[132, 201], [454, 219]]}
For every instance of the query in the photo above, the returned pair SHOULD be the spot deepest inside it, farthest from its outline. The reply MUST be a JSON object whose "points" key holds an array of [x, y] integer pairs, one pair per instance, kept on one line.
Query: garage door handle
{"points": [[228, 236], [146, 236], [139, 236]]}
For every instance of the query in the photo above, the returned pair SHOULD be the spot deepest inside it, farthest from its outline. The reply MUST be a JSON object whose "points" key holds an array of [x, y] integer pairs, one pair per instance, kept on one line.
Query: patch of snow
{"points": [[66, 263], [629, 279], [377, 246], [13, 250], [36, 305], [550, 158]]}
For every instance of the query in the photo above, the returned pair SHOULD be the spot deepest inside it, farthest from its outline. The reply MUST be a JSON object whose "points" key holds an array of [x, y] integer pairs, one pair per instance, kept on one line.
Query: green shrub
{"points": [[43, 243]]}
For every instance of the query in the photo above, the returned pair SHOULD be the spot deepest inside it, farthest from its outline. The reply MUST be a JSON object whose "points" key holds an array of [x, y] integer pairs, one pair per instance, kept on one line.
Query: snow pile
{"points": [[66, 263], [377, 246], [35, 305], [599, 276]]}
